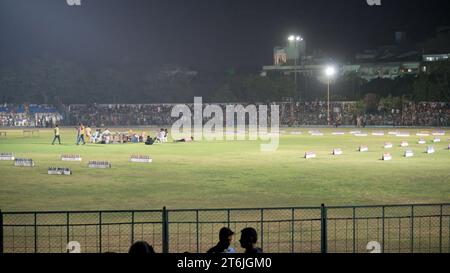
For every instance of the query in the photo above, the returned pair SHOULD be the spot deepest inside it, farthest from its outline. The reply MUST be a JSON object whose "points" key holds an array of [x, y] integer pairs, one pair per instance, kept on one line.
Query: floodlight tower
{"points": [[330, 71], [295, 40]]}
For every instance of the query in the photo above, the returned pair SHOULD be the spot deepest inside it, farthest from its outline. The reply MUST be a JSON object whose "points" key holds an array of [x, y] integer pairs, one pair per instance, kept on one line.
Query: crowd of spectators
{"points": [[121, 114], [347, 113], [44, 116], [435, 114], [316, 113], [291, 114]]}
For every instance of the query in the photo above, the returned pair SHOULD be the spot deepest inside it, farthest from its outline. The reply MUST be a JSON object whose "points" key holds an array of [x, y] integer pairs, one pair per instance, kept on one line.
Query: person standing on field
{"points": [[88, 131], [81, 132], [56, 131]]}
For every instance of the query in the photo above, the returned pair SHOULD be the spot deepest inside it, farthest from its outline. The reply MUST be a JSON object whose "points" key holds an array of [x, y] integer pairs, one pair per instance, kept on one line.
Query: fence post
{"points": [[323, 227], [383, 224], [67, 231], [132, 227], [100, 231], [197, 232], [293, 231], [354, 230], [440, 230], [165, 231], [35, 233], [1, 232], [262, 229], [412, 229]]}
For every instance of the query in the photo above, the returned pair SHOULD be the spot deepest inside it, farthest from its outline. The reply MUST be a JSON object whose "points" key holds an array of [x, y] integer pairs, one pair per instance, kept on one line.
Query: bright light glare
{"points": [[330, 71], [293, 38]]}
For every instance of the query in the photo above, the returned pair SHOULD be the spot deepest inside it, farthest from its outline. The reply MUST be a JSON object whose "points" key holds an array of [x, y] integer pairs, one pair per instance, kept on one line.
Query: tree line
{"points": [[49, 81]]}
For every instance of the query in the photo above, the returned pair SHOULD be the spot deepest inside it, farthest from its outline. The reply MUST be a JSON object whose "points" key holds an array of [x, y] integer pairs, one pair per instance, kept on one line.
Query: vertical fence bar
{"points": [[228, 218], [354, 230], [35, 233], [323, 226], [100, 231], [132, 227], [262, 229], [197, 232], [383, 217], [440, 230], [165, 230], [1, 232], [67, 230], [412, 229], [293, 231]]}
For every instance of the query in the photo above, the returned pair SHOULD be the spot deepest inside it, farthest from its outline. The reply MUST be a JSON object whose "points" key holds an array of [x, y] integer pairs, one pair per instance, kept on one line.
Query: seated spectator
{"points": [[160, 136], [142, 137], [225, 239], [141, 248], [134, 138], [107, 132], [248, 240], [95, 136], [149, 141]]}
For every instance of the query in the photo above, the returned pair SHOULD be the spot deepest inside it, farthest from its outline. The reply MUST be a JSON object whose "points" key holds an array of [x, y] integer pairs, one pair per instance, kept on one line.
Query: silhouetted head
{"points": [[249, 237], [226, 236], [140, 248]]}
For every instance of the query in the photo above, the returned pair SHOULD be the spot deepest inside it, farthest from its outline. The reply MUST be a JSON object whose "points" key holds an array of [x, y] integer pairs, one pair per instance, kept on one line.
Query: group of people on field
{"points": [[99, 136]]}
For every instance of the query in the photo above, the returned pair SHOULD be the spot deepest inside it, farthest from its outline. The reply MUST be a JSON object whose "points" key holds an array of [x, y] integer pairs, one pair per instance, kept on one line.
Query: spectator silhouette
{"points": [[225, 239], [141, 248], [149, 141], [248, 240]]}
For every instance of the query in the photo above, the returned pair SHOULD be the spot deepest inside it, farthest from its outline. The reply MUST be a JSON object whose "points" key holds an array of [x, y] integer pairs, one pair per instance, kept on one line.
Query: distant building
{"points": [[384, 62], [436, 57], [381, 70], [293, 53]]}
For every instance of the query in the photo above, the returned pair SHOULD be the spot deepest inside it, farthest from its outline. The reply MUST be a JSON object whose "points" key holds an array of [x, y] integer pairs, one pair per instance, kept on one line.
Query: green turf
{"points": [[223, 174]]}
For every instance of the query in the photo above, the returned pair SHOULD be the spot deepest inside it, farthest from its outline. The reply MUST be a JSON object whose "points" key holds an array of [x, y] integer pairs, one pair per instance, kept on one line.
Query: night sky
{"points": [[204, 33]]}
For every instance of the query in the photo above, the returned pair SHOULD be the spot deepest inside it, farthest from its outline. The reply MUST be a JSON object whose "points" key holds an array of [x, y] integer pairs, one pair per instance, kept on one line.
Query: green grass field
{"points": [[223, 174]]}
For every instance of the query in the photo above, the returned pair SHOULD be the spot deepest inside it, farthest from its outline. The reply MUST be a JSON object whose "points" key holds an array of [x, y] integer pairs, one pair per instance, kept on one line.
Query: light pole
{"points": [[329, 72], [295, 39]]}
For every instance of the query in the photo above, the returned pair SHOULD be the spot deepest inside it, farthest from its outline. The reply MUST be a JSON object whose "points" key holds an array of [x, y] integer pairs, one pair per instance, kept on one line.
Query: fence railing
{"points": [[415, 228]]}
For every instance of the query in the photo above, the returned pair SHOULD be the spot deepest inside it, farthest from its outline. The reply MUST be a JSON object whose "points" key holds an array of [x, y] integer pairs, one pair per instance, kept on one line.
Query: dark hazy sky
{"points": [[203, 33]]}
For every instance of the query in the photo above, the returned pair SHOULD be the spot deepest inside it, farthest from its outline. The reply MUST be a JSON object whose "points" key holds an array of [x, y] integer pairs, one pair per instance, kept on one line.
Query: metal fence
{"points": [[332, 229]]}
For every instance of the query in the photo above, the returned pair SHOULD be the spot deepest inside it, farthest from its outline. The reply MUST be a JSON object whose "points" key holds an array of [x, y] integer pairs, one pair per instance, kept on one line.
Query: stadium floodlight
{"points": [[330, 71], [295, 38]]}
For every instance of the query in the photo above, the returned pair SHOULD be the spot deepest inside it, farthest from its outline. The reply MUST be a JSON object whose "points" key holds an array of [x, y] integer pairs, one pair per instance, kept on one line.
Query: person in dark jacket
{"points": [[249, 238], [225, 239], [149, 141]]}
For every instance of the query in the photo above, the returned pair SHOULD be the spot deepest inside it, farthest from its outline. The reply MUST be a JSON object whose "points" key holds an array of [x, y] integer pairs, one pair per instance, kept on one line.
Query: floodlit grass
{"points": [[224, 174]]}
